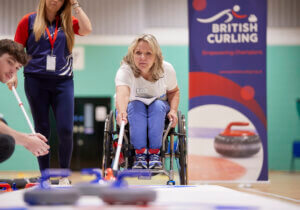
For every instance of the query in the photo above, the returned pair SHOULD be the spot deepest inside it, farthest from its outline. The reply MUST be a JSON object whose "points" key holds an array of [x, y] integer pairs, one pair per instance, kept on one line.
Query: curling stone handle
{"points": [[93, 171], [130, 173], [47, 173], [23, 109], [228, 128], [6, 186]]}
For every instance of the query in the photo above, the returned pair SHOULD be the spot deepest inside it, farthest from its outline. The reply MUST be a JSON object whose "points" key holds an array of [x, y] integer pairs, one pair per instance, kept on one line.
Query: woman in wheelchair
{"points": [[146, 92]]}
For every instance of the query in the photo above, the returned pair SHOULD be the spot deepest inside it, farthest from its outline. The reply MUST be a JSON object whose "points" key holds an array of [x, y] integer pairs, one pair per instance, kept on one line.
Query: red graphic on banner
{"points": [[199, 4], [215, 85], [215, 168], [237, 15], [247, 92]]}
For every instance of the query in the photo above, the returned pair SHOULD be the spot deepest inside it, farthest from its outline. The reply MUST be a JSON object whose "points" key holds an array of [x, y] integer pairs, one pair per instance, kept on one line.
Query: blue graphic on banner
{"points": [[227, 87]]}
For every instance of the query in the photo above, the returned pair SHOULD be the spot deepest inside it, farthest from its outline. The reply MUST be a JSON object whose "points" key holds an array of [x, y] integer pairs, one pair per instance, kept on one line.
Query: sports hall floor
{"points": [[283, 190]]}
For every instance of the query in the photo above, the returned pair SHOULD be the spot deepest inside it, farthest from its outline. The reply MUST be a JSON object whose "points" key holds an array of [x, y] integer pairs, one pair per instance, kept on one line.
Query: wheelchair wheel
{"points": [[182, 147], [107, 142]]}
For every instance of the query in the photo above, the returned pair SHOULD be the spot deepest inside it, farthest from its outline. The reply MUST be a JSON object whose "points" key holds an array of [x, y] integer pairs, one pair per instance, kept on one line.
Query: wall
{"points": [[283, 89]]}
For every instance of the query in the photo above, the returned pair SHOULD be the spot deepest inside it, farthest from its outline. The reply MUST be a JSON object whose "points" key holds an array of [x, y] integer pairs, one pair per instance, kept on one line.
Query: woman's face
{"points": [[143, 57], [54, 5]]}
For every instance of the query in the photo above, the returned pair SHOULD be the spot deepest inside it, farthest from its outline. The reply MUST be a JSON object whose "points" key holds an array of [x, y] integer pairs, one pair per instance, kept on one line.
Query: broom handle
{"points": [[116, 161], [23, 110]]}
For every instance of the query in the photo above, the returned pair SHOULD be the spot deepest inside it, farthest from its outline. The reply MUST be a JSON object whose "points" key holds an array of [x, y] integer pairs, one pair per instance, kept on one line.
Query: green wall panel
{"points": [[283, 89]]}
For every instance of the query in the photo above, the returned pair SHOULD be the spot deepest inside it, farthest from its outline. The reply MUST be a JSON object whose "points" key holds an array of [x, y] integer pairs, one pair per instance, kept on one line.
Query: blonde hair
{"points": [[156, 70], [65, 14]]}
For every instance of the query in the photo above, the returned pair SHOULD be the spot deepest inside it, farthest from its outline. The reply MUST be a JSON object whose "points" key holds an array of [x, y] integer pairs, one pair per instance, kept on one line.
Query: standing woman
{"points": [[48, 36]]}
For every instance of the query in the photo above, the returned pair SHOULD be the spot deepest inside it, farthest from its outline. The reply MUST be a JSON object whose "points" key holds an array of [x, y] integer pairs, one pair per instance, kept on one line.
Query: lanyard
{"points": [[52, 41]]}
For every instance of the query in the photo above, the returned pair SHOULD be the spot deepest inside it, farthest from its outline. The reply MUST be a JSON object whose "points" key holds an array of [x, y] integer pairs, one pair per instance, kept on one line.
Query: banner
{"points": [[227, 123]]}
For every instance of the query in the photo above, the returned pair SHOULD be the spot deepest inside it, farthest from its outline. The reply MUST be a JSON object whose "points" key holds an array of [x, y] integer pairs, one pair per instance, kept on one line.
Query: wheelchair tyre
{"points": [[182, 150], [107, 142]]}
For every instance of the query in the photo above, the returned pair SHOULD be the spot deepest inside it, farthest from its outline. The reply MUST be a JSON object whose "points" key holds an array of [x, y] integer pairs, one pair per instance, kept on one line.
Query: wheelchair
{"points": [[173, 149]]}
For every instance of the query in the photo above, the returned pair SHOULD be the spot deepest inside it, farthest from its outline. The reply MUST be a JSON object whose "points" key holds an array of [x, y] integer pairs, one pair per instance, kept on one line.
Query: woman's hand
{"points": [[172, 115], [173, 98], [73, 2], [122, 117], [12, 82], [85, 26]]}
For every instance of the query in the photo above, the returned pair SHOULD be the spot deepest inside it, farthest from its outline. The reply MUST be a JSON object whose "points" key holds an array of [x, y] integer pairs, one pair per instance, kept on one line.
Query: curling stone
{"points": [[237, 143], [34, 179], [45, 195], [120, 193], [95, 187], [8, 181], [19, 183]]}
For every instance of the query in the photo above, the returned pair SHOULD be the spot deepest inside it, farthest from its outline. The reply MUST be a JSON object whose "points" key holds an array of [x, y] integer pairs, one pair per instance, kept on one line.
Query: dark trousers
{"points": [[43, 93]]}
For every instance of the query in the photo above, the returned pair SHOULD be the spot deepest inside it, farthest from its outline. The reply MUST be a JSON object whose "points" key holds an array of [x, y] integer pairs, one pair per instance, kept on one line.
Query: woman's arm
{"points": [[173, 99], [85, 26], [122, 100]]}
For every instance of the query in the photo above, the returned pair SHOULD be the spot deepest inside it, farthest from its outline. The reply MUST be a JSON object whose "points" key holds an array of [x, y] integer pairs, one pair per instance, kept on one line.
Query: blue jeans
{"points": [[145, 119]]}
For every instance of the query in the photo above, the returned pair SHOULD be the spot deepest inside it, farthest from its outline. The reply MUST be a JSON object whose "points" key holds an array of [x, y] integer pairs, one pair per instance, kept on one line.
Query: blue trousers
{"points": [[145, 119], [43, 93]]}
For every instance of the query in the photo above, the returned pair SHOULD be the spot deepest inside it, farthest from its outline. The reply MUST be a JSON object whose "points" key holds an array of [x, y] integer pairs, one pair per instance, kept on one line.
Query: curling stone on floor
{"points": [[8, 181], [95, 187], [120, 193], [237, 143], [44, 194], [19, 183]]}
